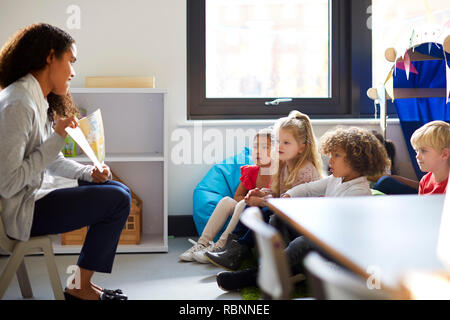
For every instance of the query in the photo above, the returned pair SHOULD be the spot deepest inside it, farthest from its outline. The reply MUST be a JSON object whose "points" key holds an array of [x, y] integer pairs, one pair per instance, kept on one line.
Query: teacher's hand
{"points": [[100, 177], [63, 123]]}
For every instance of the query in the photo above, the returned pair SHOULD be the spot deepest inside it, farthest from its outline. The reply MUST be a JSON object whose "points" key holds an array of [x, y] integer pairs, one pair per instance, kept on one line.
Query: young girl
{"points": [[252, 176], [355, 153], [299, 162]]}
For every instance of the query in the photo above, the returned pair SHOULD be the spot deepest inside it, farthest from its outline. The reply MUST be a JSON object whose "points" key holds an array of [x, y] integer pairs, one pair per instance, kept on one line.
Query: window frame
{"points": [[351, 75]]}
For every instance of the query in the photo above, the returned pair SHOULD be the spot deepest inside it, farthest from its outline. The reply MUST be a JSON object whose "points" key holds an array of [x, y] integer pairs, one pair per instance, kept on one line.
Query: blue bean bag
{"points": [[221, 180]]}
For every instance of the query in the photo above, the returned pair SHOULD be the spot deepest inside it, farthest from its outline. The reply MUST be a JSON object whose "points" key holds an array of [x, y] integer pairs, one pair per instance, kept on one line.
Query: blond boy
{"points": [[432, 145]]}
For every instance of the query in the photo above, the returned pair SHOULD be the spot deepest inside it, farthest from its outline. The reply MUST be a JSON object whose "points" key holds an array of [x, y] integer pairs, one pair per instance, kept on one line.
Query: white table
{"points": [[381, 236]]}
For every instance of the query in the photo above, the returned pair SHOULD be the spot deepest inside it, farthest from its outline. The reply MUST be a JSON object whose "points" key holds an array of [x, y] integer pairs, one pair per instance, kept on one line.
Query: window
{"points": [[259, 49], [244, 53]]}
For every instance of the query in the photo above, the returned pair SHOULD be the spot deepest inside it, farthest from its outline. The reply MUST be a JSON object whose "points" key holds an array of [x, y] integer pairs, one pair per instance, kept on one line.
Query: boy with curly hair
{"points": [[354, 153], [432, 145]]}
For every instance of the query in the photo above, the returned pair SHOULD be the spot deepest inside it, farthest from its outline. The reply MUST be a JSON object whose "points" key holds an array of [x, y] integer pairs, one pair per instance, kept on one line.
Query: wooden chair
{"points": [[16, 262], [274, 276], [329, 281]]}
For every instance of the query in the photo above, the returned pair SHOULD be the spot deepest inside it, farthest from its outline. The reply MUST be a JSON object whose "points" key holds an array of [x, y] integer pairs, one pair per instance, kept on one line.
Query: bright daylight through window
{"points": [[267, 48]]}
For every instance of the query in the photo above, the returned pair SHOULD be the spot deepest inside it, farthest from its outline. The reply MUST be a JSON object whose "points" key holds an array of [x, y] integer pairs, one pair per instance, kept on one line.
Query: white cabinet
{"points": [[135, 124]]}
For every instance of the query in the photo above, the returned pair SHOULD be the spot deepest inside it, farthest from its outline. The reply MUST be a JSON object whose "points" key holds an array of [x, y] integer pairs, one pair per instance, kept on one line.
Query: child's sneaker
{"points": [[199, 256], [188, 254]]}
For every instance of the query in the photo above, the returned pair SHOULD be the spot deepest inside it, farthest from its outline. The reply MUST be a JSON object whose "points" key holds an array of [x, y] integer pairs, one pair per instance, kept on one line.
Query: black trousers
{"points": [[103, 207]]}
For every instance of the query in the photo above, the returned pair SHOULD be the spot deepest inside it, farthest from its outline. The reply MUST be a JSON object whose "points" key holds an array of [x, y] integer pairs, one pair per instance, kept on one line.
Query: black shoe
{"points": [[105, 295], [230, 239], [116, 294], [112, 292], [236, 280], [231, 258]]}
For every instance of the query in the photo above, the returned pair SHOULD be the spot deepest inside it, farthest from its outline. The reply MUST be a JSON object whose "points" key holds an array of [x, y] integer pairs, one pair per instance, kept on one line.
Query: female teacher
{"points": [[41, 191]]}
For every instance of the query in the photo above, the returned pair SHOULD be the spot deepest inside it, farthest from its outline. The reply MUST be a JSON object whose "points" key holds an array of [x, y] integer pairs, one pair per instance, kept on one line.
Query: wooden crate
{"points": [[131, 233]]}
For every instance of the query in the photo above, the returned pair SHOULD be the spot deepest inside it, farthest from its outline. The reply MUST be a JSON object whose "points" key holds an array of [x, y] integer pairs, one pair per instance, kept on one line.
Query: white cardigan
{"points": [[332, 187], [28, 148]]}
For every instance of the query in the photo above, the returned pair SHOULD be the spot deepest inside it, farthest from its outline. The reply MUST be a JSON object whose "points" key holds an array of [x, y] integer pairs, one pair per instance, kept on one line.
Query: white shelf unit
{"points": [[135, 123]]}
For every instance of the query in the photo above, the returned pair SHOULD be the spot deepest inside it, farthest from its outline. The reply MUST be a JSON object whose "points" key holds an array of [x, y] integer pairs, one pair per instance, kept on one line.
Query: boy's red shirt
{"points": [[429, 186]]}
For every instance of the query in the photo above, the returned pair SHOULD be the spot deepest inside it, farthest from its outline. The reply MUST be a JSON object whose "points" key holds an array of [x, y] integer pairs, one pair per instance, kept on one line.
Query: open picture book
{"points": [[90, 137]]}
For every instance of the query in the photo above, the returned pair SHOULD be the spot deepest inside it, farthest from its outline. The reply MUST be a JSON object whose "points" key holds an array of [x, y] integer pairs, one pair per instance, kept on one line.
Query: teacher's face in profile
{"points": [[61, 70]]}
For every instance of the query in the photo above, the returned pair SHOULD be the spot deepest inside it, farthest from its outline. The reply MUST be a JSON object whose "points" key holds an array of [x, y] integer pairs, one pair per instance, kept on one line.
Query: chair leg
{"points": [[53, 270], [14, 261], [24, 281]]}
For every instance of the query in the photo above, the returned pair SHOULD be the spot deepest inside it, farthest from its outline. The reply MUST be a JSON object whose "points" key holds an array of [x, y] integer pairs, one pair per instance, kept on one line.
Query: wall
{"points": [[140, 38]]}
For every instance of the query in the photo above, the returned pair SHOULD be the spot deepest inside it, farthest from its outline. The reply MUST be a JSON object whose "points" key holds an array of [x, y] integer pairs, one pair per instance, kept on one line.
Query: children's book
{"points": [[90, 137]]}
